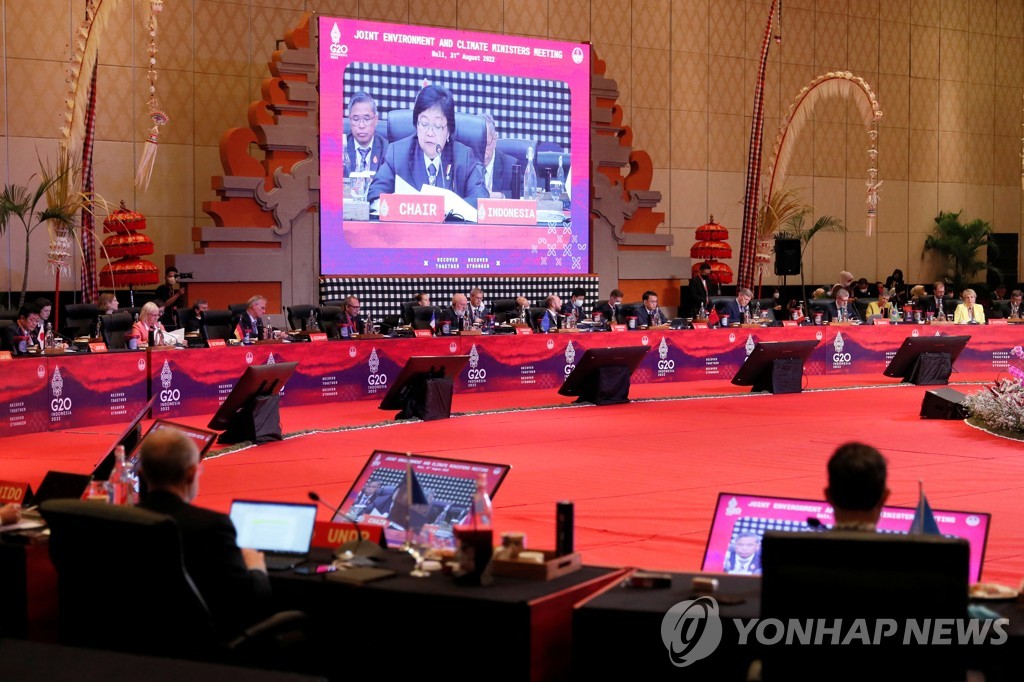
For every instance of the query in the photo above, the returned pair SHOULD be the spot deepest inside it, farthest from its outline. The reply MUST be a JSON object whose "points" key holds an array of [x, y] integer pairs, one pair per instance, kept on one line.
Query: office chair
{"points": [[516, 147], [122, 585], [79, 319], [217, 325], [329, 316], [298, 316], [115, 327], [423, 314], [470, 129]]}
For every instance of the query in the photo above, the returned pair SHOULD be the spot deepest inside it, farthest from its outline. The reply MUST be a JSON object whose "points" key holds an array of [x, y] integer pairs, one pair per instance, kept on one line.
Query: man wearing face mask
{"points": [[574, 306]]}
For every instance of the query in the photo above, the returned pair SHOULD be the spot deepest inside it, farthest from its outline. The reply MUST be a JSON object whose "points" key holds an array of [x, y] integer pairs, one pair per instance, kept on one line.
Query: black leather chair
{"points": [[547, 162], [4, 323], [820, 305], [861, 304], [844, 576], [502, 307], [516, 147], [329, 316], [766, 305], [298, 316], [115, 327], [8, 314], [122, 585], [407, 307], [217, 325], [423, 314], [470, 129], [237, 308], [999, 310], [79, 319]]}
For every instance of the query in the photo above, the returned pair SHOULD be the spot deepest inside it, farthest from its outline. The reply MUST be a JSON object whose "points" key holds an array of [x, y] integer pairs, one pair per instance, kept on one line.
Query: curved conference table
{"points": [[74, 390]]}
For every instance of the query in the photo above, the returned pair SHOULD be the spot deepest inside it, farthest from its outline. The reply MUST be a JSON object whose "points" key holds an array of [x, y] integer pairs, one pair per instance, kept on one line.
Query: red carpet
{"points": [[644, 476]]}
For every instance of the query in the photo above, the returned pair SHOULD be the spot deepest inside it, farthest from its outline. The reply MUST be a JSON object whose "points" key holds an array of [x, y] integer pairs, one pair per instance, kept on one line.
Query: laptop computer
{"points": [[379, 493], [56, 485], [281, 530]]}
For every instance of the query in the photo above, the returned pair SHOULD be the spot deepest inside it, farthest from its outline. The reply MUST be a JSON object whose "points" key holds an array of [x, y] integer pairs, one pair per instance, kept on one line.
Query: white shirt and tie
{"points": [[433, 168], [362, 158]]}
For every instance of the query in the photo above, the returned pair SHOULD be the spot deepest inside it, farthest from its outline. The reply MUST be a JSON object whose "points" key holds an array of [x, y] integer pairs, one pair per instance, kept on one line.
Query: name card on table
{"points": [[97, 347], [618, 327], [6, 355], [216, 343], [999, 320], [423, 333], [790, 323], [318, 336], [699, 325], [13, 492], [328, 534], [506, 212], [411, 208], [880, 320], [523, 330]]}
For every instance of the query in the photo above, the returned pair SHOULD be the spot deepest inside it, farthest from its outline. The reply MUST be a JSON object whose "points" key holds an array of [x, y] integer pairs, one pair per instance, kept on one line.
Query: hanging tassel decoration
{"points": [[159, 118]]}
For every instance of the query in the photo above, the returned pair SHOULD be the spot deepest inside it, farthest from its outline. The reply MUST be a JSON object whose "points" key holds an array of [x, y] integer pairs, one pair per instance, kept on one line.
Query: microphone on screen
{"points": [[353, 548]]}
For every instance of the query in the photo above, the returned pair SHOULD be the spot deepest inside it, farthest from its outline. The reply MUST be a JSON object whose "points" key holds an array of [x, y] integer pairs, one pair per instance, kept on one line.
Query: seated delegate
{"points": [[969, 312], [431, 155]]}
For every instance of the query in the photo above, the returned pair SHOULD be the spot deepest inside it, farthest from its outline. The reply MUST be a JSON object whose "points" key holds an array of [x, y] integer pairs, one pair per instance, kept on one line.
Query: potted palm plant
{"points": [[959, 245]]}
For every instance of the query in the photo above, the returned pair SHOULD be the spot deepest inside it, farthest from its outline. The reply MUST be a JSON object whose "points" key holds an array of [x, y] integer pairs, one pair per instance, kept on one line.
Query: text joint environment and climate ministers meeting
{"points": [[448, 152]]}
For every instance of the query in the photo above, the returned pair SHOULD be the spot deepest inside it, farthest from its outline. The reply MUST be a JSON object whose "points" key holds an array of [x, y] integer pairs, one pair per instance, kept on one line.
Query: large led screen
{"points": [[448, 152]]}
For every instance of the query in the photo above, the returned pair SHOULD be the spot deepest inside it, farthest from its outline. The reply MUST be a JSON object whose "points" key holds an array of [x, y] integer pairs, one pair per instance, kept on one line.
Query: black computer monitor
{"points": [[602, 375], [775, 366], [248, 413], [889, 586], [424, 387], [926, 360], [129, 438]]}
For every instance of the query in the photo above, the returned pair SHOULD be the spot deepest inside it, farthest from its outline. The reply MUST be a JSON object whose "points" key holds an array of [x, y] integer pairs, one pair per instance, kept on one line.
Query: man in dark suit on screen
{"points": [[364, 148], [650, 315], [232, 581], [610, 309], [497, 165]]}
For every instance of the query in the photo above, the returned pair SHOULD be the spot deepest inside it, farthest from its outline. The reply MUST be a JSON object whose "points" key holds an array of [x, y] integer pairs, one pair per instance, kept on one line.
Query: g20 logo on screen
{"points": [[338, 49], [577, 55]]}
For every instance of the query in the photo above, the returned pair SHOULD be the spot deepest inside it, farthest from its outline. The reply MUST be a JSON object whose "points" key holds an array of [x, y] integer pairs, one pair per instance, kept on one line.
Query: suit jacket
{"points": [[701, 296], [732, 564], [460, 171], [732, 309], [357, 325], [962, 316], [502, 180], [242, 322], [608, 313], [851, 311], [876, 308], [378, 147], [12, 342], [648, 318], [553, 321], [451, 317], [930, 304], [478, 313], [570, 309], [236, 596]]}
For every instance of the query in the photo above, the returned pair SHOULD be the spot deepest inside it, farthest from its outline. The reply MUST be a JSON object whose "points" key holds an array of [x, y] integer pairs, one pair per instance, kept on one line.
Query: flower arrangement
{"points": [[1000, 407]]}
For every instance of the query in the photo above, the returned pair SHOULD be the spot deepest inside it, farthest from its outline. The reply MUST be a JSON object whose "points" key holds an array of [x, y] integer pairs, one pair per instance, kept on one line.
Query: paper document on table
{"points": [[453, 203]]}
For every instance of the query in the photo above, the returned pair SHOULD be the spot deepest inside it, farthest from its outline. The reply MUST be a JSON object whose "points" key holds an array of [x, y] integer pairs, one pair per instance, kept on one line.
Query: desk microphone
{"points": [[357, 547], [814, 524]]}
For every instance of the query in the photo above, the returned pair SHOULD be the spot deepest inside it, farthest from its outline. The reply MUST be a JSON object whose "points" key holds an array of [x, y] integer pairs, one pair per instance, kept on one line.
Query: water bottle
{"points": [[311, 325], [560, 174], [530, 177], [476, 538], [702, 314], [120, 484], [99, 328], [48, 339]]}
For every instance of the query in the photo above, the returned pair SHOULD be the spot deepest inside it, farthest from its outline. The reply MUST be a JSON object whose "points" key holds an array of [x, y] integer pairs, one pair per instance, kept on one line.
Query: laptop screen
{"points": [[740, 522], [280, 527], [378, 495]]}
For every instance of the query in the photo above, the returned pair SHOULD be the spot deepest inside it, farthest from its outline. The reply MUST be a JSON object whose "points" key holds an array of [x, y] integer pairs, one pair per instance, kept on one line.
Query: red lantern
{"points": [[129, 272], [128, 245], [123, 221]]}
